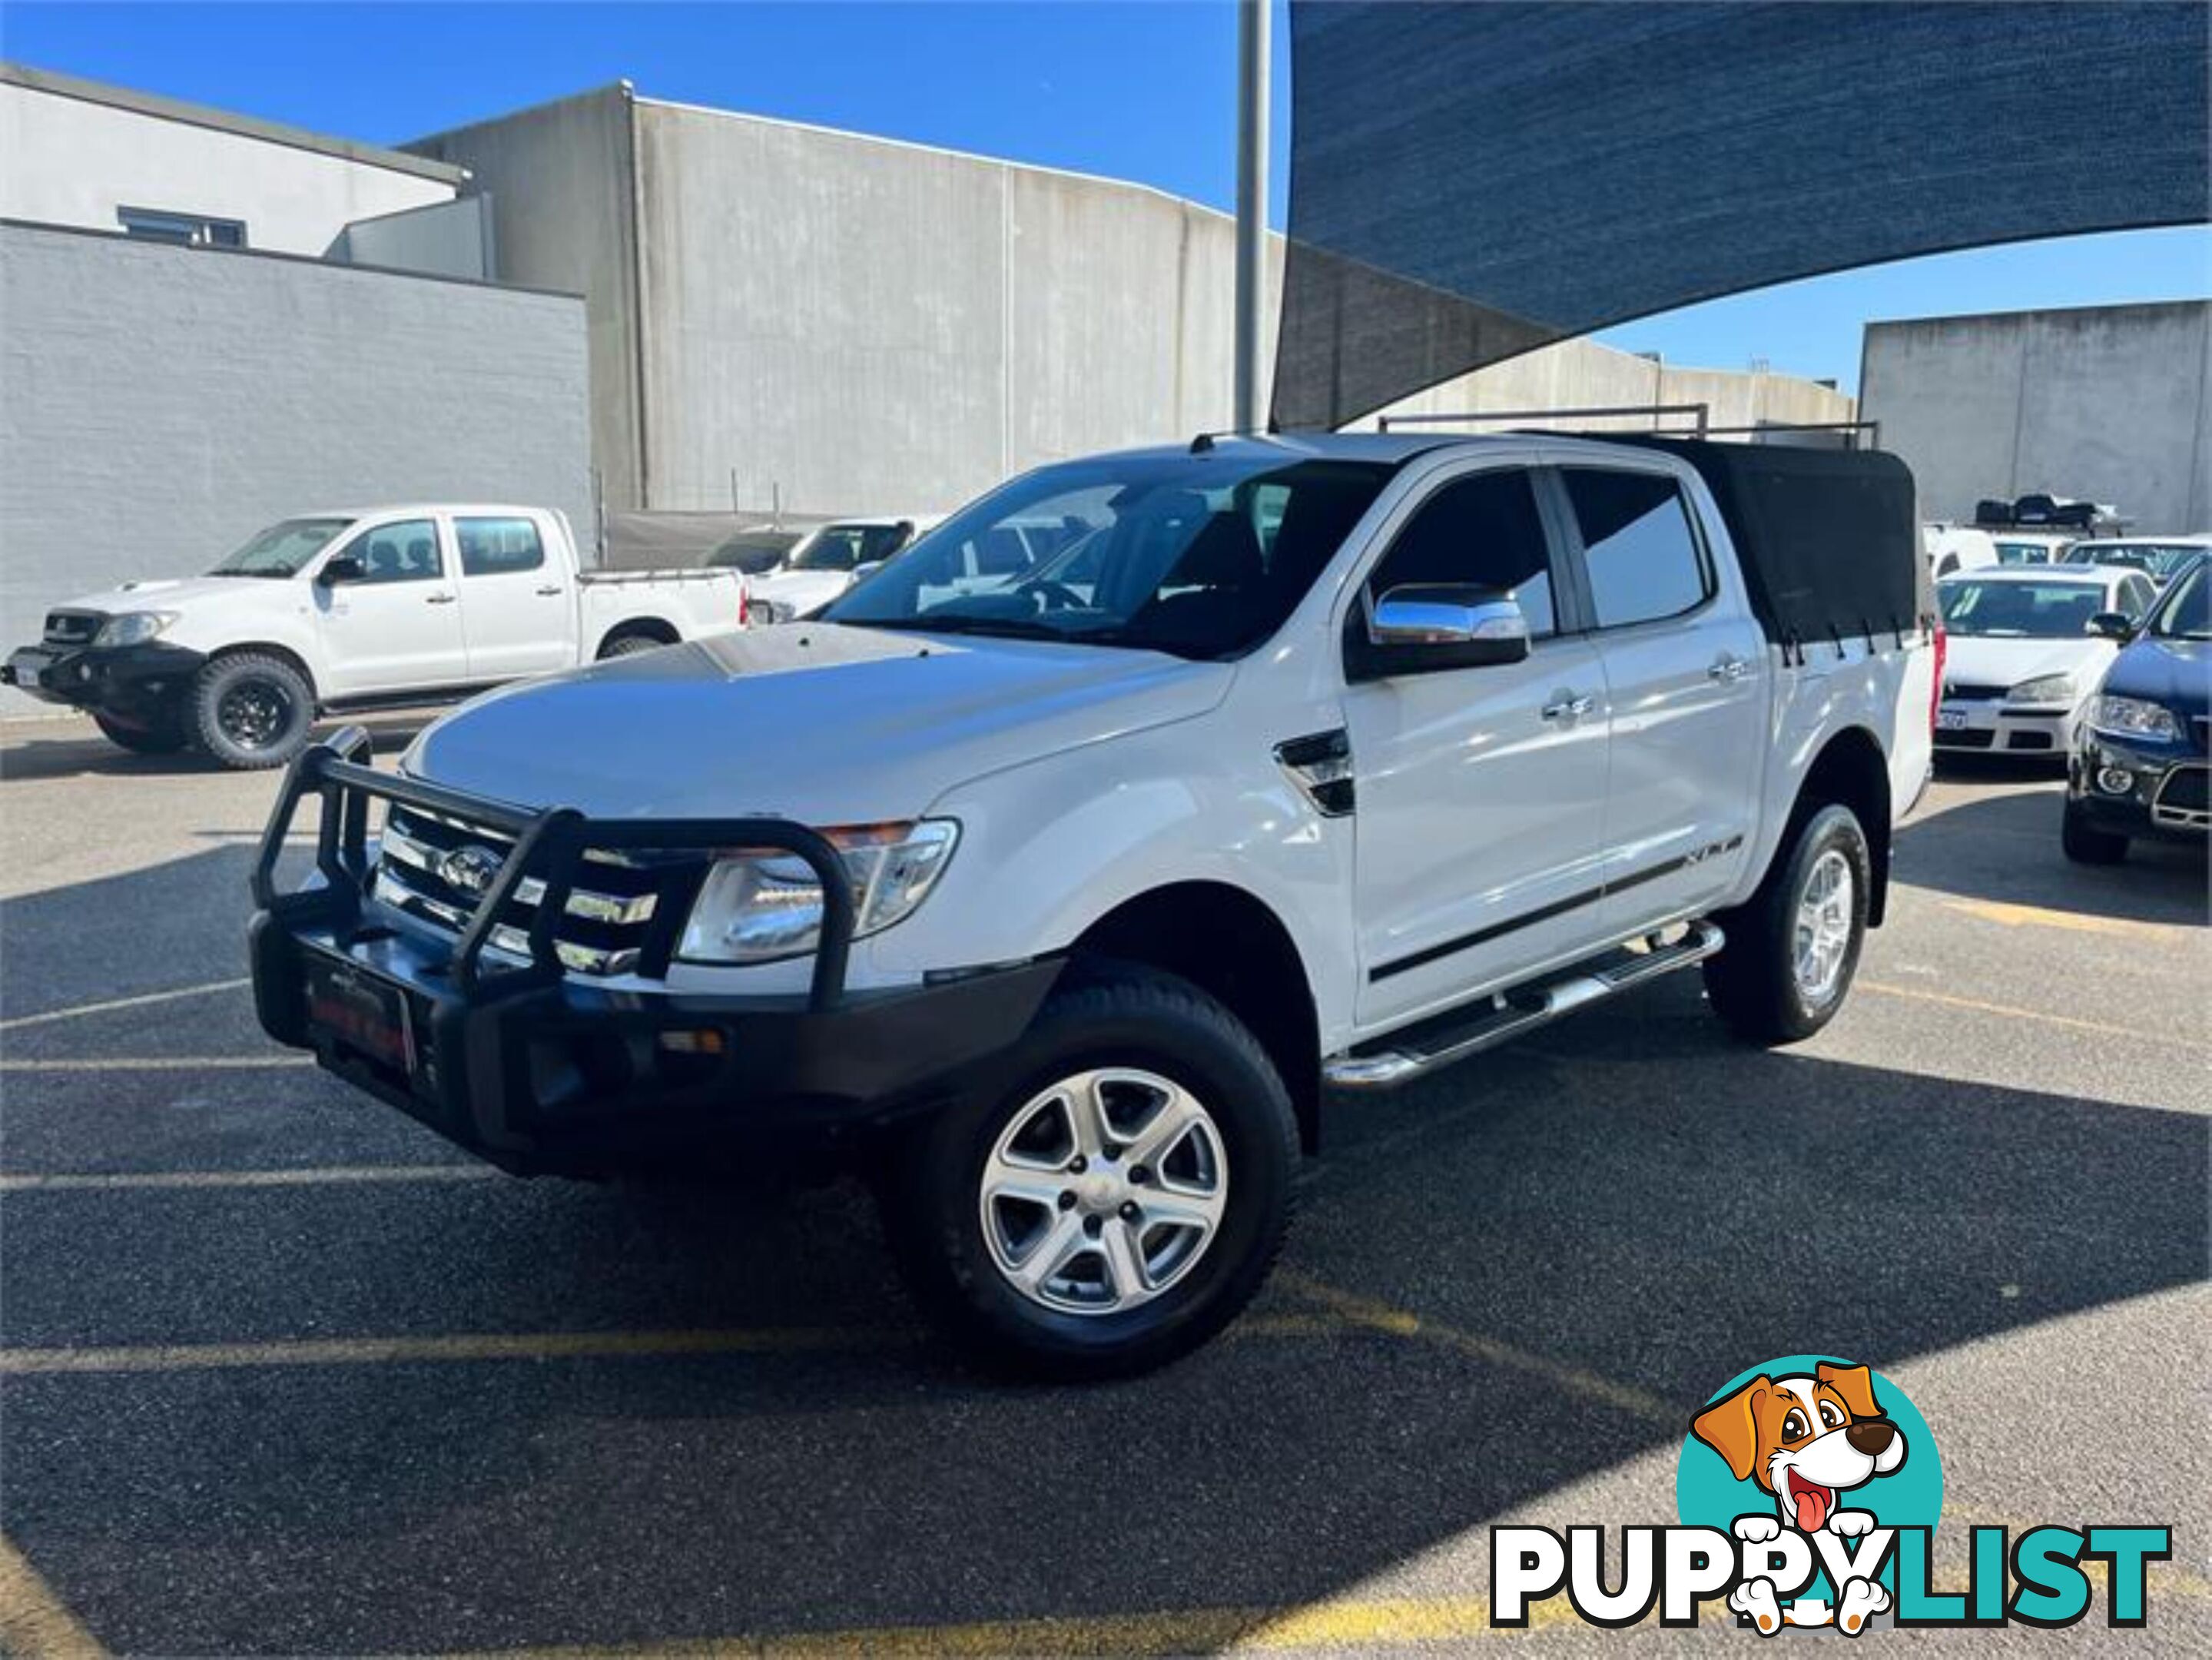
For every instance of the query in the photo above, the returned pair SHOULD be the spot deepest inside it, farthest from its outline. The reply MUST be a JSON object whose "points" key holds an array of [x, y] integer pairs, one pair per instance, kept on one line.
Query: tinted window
{"points": [[404, 552], [495, 547], [1483, 531], [2136, 595], [1638, 545]]}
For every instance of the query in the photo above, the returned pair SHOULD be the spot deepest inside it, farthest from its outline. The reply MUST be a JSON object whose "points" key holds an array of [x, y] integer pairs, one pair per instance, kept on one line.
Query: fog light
{"points": [[2115, 780]]}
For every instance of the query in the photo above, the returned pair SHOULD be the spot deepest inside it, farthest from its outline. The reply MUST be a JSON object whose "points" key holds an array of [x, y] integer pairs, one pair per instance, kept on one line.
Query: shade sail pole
{"points": [[1253, 19]]}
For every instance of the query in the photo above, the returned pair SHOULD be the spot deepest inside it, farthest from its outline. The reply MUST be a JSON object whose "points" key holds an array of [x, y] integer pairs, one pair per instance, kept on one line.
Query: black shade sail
{"points": [[1470, 181]]}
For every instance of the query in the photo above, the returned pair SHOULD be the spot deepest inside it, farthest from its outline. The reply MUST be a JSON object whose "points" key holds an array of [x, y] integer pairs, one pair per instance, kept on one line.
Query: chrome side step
{"points": [[1420, 1049]]}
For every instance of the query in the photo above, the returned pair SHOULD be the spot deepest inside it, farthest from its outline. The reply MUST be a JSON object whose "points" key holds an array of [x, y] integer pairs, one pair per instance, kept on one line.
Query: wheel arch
{"points": [[1852, 771], [658, 629], [1232, 945], [284, 655]]}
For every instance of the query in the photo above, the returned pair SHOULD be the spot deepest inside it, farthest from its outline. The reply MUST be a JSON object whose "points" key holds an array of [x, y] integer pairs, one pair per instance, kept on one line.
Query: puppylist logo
{"points": [[1808, 1490]]}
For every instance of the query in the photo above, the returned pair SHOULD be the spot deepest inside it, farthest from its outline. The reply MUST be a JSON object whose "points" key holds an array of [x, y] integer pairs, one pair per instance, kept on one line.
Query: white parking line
{"points": [[162, 1063], [306, 1176], [113, 1003]]}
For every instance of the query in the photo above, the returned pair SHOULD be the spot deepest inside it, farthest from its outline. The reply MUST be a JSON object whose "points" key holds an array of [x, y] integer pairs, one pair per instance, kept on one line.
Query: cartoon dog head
{"points": [[1804, 1439]]}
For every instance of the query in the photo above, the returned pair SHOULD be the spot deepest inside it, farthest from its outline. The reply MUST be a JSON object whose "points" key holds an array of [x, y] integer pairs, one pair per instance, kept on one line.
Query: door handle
{"points": [[552, 592], [1728, 668], [1569, 707], [437, 598]]}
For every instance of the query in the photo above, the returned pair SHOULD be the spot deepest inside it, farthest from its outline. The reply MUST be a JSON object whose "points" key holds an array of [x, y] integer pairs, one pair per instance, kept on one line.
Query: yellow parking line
{"points": [[2037, 917], [2134, 1035], [161, 1063], [113, 1003], [1401, 1322], [33, 1621], [1338, 1622], [312, 1176], [473, 1346], [530, 1345]]}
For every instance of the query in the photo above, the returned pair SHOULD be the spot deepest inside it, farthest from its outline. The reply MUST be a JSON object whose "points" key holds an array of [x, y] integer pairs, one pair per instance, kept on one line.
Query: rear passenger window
{"points": [[1639, 546], [496, 547], [1482, 530]]}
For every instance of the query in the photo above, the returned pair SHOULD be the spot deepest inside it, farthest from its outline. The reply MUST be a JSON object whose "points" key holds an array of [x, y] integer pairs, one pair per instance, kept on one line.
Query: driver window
{"points": [[404, 552], [1483, 531]]}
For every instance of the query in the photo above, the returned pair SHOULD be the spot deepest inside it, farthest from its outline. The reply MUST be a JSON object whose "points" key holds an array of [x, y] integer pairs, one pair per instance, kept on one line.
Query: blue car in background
{"points": [[2139, 764]]}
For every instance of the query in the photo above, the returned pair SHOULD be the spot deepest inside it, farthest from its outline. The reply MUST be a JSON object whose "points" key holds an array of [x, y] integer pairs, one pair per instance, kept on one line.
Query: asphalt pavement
{"points": [[284, 1374]]}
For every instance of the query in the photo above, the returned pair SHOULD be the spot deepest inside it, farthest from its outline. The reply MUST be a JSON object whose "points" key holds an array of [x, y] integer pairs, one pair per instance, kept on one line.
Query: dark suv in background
{"points": [[2139, 765]]}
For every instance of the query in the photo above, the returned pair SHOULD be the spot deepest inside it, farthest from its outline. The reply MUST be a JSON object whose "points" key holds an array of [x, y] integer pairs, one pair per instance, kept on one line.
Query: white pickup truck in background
{"points": [[1060, 895], [348, 610], [828, 560]]}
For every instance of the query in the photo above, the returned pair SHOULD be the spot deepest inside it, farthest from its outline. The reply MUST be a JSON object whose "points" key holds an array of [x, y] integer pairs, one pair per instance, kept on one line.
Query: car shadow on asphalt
{"points": [[2005, 848], [30, 756], [1593, 1231]]}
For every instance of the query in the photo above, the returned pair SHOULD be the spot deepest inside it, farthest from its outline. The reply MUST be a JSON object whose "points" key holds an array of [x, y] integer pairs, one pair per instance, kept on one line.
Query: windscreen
{"points": [[2186, 613], [1201, 556], [283, 550], [2020, 610]]}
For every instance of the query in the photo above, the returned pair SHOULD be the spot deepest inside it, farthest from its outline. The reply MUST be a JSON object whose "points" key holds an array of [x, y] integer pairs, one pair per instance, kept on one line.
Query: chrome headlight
{"points": [[2044, 688], [758, 907], [2134, 717], [133, 628]]}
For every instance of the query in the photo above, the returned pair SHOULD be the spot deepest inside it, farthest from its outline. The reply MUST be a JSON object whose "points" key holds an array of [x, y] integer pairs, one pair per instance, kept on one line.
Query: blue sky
{"points": [[1141, 91]]}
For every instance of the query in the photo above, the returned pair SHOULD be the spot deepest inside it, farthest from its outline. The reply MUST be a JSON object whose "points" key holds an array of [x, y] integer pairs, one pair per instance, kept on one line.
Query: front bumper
{"points": [[1991, 726], [2164, 795], [538, 1071], [131, 682]]}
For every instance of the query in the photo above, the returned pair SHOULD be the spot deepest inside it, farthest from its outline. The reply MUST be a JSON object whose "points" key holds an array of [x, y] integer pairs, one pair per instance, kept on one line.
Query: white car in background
{"points": [[826, 561], [2032, 547], [1953, 547], [2023, 656], [2156, 556]]}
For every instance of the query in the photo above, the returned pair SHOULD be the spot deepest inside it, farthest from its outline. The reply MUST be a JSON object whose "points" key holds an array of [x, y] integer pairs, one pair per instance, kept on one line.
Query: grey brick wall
{"points": [[158, 404]]}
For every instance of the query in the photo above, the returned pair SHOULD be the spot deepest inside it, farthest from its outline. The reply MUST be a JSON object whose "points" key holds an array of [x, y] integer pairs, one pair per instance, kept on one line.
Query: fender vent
{"points": [[1320, 765]]}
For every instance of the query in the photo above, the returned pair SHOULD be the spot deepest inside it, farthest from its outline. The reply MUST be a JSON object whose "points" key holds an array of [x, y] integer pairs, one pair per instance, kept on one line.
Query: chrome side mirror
{"points": [[1423, 628]]}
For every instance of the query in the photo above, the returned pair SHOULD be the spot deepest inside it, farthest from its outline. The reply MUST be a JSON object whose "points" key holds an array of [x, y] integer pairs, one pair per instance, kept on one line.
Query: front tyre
{"points": [[2085, 843], [250, 710], [1118, 1194], [1793, 949]]}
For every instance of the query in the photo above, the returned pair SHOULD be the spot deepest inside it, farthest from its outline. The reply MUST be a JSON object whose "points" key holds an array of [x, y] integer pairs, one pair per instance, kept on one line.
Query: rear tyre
{"points": [[2085, 844], [163, 735], [1113, 1197], [250, 710], [1793, 948]]}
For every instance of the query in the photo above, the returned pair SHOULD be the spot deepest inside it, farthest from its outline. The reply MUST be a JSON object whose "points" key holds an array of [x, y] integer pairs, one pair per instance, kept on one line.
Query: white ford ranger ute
{"points": [[348, 610], [1304, 763]]}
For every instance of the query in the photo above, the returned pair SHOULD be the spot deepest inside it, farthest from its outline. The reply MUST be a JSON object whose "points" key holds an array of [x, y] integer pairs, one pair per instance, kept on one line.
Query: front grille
{"points": [[1967, 691], [436, 869], [73, 628], [2181, 798], [2028, 740], [1964, 740]]}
